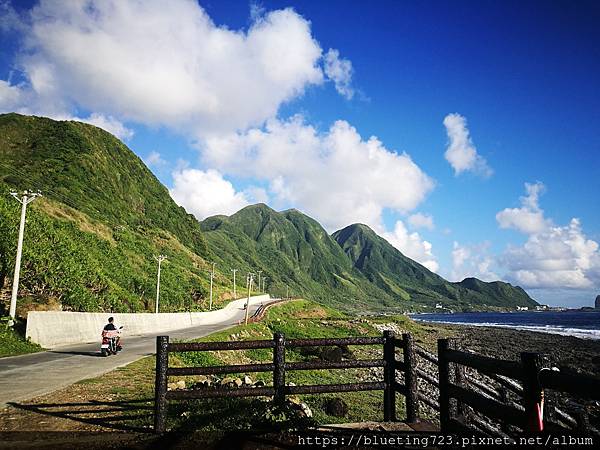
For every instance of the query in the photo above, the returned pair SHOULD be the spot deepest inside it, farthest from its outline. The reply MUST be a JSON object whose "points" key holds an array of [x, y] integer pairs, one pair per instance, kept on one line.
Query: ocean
{"points": [[569, 323]]}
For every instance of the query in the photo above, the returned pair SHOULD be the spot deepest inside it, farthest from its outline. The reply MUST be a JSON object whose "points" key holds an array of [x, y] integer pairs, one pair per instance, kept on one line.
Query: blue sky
{"points": [[484, 117]]}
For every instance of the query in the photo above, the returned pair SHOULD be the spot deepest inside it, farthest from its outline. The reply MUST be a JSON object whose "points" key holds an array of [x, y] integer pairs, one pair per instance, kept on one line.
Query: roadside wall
{"points": [[56, 328]]}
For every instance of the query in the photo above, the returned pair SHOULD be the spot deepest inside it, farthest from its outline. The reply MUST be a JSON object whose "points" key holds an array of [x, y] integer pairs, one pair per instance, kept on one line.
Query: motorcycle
{"points": [[109, 344]]}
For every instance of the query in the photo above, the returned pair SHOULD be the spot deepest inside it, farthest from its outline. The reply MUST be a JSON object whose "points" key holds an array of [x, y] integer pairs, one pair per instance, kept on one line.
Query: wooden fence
{"points": [[455, 395], [279, 367]]}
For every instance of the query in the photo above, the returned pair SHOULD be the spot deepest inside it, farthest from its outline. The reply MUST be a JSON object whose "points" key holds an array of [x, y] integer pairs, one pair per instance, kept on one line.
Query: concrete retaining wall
{"points": [[55, 328]]}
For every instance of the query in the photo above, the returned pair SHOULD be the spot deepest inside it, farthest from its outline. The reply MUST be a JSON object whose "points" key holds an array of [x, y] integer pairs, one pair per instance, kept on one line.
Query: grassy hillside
{"points": [[398, 275], [90, 239], [295, 254], [93, 172]]}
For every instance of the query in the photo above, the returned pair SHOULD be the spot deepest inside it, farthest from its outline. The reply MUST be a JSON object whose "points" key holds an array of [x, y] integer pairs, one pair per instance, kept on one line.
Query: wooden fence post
{"points": [[160, 393], [583, 422], [504, 399], [410, 379], [459, 380], [444, 381], [532, 392], [279, 371], [389, 376]]}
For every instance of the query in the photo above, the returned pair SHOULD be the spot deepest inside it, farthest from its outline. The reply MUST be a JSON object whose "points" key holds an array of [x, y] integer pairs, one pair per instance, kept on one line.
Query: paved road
{"points": [[27, 376]]}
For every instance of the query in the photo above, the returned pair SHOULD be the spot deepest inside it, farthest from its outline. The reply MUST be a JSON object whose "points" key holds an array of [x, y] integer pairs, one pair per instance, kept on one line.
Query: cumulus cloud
{"points": [[558, 257], [553, 256], [461, 153], [529, 218], [420, 220], [142, 62], [205, 193], [340, 72], [411, 245], [472, 261], [336, 176]]}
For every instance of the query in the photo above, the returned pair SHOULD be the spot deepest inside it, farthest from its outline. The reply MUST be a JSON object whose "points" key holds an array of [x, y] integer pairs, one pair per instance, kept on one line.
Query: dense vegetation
{"points": [[91, 238]]}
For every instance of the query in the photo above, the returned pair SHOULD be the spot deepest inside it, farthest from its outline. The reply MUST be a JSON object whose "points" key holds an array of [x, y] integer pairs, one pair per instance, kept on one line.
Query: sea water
{"points": [[569, 323]]}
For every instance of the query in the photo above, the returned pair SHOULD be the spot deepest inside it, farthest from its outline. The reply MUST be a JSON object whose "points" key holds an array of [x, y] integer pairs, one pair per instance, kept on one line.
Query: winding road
{"points": [[27, 376]]}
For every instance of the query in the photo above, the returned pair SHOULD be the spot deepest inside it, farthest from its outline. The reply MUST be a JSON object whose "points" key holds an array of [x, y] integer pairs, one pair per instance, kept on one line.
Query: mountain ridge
{"points": [[105, 215]]}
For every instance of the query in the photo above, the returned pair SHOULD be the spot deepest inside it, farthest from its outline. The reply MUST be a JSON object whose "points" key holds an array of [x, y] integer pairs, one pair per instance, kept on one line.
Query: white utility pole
{"points": [[26, 198], [259, 272], [250, 279], [212, 275], [160, 259], [287, 291], [234, 291]]}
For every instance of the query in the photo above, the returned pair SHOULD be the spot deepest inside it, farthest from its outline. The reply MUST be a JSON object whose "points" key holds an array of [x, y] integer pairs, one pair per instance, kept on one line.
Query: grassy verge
{"points": [[14, 344], [296, 319]]}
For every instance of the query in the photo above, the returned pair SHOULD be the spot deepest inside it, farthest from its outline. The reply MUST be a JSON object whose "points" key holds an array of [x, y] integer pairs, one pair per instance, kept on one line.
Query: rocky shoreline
{"points": [[565, 352]]}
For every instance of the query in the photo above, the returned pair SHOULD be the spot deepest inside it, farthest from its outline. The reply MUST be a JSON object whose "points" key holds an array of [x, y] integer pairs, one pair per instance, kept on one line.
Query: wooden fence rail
{"points": [[279, 368], [453, 390]]}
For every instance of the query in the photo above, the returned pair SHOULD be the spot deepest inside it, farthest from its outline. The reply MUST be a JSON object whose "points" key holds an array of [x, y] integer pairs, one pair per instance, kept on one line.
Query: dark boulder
{"points": [[336, 407], [332, 354]]}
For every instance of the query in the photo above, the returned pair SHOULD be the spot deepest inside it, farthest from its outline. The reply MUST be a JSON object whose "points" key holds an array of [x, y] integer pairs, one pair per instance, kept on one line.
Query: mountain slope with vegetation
{"points": [[398, 275], [294, 253], [91, 238]]}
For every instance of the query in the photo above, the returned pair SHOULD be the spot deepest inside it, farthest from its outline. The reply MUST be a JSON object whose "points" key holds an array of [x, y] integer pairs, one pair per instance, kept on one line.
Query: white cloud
{"points": [[205, 193], [461, 153], [472, 261], [558, 257], [553, 256], [143, 62], [10, 96], [337, 176], [154, 159], [530, 217], [420, 220], [411, 245], [340, 72], [109, 124], [256, 194]]}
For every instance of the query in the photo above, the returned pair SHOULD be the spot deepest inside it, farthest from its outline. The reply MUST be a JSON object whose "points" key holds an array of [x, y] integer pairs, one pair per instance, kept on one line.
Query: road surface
{"points": [[27, 376]]}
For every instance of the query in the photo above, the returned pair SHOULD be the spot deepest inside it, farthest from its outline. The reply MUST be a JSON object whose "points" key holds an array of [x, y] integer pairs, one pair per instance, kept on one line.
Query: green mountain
{"points": [[400, 276], [294, 253], [91, 238]]}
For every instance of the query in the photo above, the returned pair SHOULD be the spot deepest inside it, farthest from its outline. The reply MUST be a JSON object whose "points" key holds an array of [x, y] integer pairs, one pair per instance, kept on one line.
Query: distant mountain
{"points": [[400, 276], [90, 240]]}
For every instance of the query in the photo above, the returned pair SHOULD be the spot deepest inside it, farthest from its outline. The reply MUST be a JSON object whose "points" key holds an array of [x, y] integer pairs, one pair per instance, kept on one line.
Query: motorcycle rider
{"points": [[110, 326]]}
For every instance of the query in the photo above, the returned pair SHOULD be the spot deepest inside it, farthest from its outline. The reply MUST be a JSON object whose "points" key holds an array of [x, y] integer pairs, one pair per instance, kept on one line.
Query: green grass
{"points": [[14, 344], [296, 319]]}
